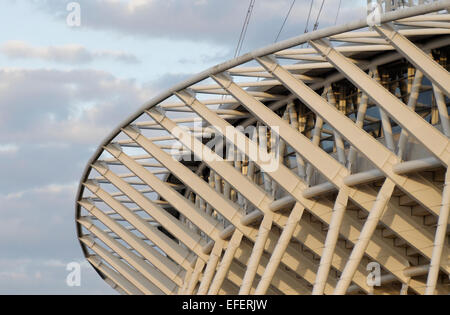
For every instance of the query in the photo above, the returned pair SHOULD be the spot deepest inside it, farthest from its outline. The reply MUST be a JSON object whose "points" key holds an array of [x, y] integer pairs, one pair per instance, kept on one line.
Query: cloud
{"points": [[54, 106], [51, 121], [8, 148], [47, 276], [69, 54], [21, 211], [38, 240], [218, 22]]}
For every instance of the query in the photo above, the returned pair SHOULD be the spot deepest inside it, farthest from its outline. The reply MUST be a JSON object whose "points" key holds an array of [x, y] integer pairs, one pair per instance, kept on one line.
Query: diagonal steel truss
{"points": [[287, 170]]}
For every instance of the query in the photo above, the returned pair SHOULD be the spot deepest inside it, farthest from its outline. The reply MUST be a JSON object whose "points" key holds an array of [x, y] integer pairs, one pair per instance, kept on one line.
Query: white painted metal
{"points": [[361, 175]]}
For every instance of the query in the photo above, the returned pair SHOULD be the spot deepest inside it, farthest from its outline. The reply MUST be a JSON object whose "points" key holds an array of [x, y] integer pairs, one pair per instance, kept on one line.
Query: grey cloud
{"points": [[71, 53], [56, 106], [37, 221], [217, 22], [47, 276], [33, 166], [38, 239], [51, 120]]}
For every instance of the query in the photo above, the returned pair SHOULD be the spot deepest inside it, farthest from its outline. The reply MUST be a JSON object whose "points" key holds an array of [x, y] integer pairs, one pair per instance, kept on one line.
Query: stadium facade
{"points": [[317, 165]]}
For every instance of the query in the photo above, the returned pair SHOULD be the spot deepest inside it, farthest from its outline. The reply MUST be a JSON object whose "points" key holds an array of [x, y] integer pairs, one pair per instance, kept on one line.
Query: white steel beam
{"points": [[225, 264], [251, 191], [148, 271], [211, 267], [271, 119], [280, 249], [429, 136], [132, 275], [173, 271], [424, 192], [126, 286], [284, 177], [439, 241], [210, 226], [219, 202], [255, 257], [193, 241], [435, 72], [334, 228], [179, 254], [361, 244]]}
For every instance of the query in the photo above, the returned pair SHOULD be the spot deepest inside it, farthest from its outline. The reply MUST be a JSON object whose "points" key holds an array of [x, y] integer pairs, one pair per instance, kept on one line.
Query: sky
{"points": [[64, 87]]}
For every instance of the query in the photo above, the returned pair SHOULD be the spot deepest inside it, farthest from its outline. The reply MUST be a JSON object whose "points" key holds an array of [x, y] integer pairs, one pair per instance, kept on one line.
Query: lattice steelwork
{"points": [[362, 119]]}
